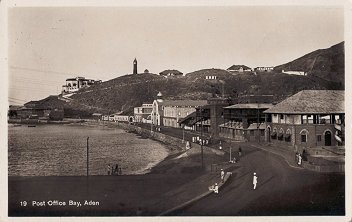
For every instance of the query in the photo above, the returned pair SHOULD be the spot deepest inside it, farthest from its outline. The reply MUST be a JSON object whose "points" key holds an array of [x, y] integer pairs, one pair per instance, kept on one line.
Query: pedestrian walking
{"points": [[222, 175], [116, 170], [188, 145], [255, 181], [299, 159], [109, 169], [216, 188], [239, 151]]}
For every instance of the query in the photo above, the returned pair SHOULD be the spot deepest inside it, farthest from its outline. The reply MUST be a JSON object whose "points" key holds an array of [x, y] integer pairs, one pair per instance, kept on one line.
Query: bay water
{"points": [[61, 150]]}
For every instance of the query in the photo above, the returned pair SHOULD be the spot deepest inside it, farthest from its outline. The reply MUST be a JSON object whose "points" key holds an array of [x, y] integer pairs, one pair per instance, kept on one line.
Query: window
{"points": [[319, 138], [304, 136], [281, 116], [324, 119], [307, 119]]}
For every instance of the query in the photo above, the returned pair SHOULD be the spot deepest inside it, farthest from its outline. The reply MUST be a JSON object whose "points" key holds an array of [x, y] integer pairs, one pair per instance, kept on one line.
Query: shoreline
{"points": [[149, 169]]}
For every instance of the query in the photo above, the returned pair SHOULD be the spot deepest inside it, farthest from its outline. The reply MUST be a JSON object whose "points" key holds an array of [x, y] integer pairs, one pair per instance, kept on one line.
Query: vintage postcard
{"points": [[226, 111]]}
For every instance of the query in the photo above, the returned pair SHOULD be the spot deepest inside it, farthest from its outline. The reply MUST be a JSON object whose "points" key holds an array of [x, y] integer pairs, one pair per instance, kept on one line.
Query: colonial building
{"points": [[211, 77], [264, 69], [244, 122], [171, 73], [28, 112], [143, 113], [74, 84], [170, 112], [239, 68], [207, 118], [308, 119]]}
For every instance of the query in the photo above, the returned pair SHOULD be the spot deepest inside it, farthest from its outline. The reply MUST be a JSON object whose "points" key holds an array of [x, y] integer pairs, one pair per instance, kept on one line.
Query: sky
{"points": [[49, 44]]}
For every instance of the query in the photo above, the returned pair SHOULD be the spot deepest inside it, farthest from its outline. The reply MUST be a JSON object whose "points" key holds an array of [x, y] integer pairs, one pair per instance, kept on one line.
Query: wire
{"points": [[38, 70]]}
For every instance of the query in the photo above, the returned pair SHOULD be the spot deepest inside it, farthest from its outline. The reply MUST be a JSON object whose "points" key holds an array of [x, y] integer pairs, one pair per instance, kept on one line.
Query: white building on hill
{"points": [[74, 84], [299, 73]]}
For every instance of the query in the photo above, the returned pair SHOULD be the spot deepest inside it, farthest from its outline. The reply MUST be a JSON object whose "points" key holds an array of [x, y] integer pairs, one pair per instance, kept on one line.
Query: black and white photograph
{"points": [[175, 110]]}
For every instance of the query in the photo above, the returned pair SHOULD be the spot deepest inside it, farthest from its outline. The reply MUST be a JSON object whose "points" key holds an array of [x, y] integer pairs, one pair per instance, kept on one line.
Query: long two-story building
{"points": [[244, 122], [308, 119], [170, 112], [143, 113]]}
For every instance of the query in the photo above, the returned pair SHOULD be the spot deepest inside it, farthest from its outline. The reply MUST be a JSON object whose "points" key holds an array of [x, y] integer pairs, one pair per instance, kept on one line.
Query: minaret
{"points": [[135, 66]]}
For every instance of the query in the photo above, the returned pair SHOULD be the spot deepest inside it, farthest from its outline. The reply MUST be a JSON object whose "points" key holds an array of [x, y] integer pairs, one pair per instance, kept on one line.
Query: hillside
{"points": [[124, 93], [327, 64]]}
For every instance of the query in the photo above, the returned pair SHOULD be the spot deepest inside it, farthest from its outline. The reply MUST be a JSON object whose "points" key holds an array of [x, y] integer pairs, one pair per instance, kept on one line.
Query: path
{"points": [[281, 190]]}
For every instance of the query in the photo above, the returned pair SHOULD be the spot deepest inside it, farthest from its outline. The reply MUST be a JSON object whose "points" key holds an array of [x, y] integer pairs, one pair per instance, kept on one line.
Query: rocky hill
{"points": [[327, 64], [325, 71]]}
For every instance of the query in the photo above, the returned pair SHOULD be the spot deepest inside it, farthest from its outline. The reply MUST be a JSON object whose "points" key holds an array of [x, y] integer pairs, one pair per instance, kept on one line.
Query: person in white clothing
{"points": [[255, 181], [222, 175], [299, 159], [216, 188]]}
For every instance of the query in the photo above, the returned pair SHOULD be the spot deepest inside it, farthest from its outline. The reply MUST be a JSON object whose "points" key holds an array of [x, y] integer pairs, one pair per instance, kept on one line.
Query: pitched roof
{"points": [[312, 102], [250, 106], [237, 67], [171, 71], [254, 126], [184, 102]]}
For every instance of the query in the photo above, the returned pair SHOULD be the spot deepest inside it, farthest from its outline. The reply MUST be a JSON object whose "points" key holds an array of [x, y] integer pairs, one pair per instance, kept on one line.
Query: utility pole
{"points": [[258, 124], [183, 134], [87, 156], [230, 153], [201, 137]]}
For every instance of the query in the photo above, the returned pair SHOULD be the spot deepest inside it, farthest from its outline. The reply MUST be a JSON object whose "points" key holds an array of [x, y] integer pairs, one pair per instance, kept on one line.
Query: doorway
{"points": [[327, 137]]}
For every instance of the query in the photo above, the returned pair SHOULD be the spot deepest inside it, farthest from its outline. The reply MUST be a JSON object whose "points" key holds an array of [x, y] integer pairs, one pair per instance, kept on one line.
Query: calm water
{"points": [[61, 150]]}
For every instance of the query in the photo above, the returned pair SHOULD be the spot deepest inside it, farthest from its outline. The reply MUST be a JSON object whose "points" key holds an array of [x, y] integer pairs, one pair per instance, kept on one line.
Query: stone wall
{"points": [[167, 139]]}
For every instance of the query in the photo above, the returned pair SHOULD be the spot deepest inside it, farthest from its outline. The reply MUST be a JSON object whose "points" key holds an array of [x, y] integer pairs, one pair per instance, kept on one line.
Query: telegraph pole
{"points": [[258, 124], [183, 134], [201, 136], [87, 156]]}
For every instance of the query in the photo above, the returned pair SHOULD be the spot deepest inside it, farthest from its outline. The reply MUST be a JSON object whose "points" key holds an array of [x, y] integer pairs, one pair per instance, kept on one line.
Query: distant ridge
{"points": [[325, 68], [327, 64]]}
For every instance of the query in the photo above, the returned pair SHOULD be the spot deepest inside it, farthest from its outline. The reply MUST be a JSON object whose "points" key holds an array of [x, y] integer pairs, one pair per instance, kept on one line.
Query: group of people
{"points": [[114, 170], [197, 139], [215, 187]]}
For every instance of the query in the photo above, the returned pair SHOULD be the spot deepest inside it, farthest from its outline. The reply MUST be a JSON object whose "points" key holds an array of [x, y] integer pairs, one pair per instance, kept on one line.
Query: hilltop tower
{"points": [[135, 66]]}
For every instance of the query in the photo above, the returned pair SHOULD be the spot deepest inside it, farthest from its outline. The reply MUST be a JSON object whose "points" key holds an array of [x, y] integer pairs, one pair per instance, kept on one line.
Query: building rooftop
{"points": [[255, 126], [250, 106], [312, 102], [237, 67], [184, 102], [171, 71]]}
